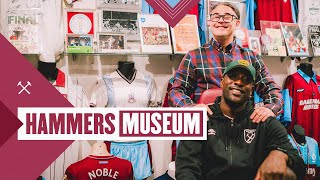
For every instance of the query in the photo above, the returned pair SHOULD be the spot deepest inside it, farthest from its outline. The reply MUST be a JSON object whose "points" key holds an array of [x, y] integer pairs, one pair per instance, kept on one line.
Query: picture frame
{"points": [[124, 5], [79, 43], [185, 35], [154, 34], [254, 44], [120, 22], [295, 41], [80, 22], [111, 43], [314, 35]]}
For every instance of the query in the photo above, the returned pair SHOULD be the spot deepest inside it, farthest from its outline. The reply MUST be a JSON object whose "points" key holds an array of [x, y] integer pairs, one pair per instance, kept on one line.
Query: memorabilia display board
{"points": [[23, 32], [119, 22], [314, 34], [185, 36], [272, 40], [154, 32], [295, 42]]}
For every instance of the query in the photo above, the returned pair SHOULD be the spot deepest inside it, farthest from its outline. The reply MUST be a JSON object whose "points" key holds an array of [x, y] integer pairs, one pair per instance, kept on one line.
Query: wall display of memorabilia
{"points": [[154, 32], [271, 39], [254, 44], [79, 43], [23, 33], [80, 22], [242, 35], [120, 22], [314, 34], [127, 5], [185, 35], [108, 42], [295, 42]]}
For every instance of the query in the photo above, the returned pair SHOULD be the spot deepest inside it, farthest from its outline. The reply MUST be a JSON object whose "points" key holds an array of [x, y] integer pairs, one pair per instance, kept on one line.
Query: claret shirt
{"points": [[301, 95], [100, 168]]}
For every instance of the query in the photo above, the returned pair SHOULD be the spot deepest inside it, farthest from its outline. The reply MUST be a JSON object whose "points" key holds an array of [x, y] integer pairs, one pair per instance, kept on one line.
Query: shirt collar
{"points": [[306, 77], [229, 47]]}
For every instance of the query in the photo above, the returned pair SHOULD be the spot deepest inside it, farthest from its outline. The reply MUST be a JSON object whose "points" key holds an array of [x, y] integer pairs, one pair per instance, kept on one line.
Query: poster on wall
{"points": [[154, 33], [120, 22], [79, 43], [23, 33], [80, 22], [127, 5], [111, 43], [295, 42], [185, 36], [271, 38], [314, 34]]}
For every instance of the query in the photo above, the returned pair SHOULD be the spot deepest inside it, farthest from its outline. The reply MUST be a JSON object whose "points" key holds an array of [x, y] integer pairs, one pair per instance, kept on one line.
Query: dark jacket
{"points": [[234, 149]]}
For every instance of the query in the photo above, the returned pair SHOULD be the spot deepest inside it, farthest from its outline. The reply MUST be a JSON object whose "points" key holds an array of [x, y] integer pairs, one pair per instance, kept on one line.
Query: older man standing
{"points": [[202, 68]]}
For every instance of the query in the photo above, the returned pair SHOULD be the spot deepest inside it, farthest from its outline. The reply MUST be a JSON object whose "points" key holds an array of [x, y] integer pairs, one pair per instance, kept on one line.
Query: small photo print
{"points": [[254, 43], [155, 36], [79, 44], [112, 42]]}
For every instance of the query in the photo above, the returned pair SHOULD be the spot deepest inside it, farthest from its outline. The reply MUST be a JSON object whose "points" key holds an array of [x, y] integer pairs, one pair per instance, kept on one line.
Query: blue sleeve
{"points": [[250, 8], [287, 107], [146, 8], [293, 10], [202, 15]]}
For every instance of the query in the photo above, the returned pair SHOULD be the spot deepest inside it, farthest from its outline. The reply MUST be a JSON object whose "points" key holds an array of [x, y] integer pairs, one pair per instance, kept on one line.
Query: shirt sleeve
{"points": [[184, 84], [266, 88], [189, 160], [287, 98], [99, 97], [278, 140]]}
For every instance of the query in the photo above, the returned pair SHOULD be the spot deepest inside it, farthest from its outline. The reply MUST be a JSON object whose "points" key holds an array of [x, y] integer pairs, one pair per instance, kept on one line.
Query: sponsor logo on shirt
{"points": [[300, 90], [311, 171], [249, 135], [309, 104], [211, 132]]}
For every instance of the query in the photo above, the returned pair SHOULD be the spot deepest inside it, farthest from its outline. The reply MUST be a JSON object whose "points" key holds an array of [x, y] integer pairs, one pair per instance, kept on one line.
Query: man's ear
{"points": [[237, 23], [222, 82]]}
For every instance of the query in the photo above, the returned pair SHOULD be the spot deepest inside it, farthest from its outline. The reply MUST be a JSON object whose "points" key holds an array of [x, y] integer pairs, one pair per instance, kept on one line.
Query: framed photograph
{"points": [[254, 44], [154, 33], [127, 5], [242, 37], [295, 42], [314, 33], [24, 34], [271, 38], [80, 22], [79, 43], [185, 35], [108, 42], [120, 22]]}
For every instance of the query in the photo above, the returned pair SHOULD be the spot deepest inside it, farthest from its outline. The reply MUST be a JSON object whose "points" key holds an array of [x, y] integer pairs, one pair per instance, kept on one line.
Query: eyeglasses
{"points": [[245, 78], [227, 18]]}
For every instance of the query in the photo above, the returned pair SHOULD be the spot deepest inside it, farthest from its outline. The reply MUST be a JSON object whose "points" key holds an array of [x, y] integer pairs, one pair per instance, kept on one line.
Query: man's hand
{"points": [[205, 106], [261, 114], [273, 167]]}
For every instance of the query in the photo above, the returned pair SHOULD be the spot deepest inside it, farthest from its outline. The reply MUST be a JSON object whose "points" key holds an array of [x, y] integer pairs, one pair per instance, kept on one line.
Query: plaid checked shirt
{"points": [[202, 69]]}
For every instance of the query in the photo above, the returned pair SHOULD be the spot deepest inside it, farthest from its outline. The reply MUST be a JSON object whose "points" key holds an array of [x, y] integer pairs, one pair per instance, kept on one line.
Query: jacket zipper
{"points": [[231, 143]]}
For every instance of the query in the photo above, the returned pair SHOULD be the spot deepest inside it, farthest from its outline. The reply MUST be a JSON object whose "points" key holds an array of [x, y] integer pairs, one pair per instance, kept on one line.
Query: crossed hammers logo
{"points": [[24, 88]]}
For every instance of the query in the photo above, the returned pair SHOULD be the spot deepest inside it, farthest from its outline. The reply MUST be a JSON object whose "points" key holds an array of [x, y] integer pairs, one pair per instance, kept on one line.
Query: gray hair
{"points": [[231, 5]]}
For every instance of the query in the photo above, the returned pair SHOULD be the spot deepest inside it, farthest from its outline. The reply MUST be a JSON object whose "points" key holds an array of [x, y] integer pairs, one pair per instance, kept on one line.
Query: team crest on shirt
{"points": [[249, 135], [131, 98]]}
